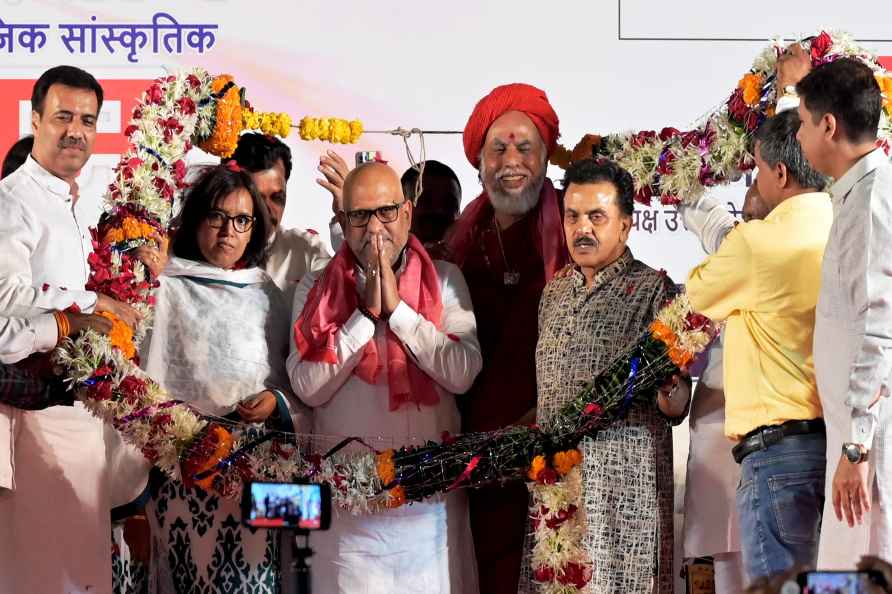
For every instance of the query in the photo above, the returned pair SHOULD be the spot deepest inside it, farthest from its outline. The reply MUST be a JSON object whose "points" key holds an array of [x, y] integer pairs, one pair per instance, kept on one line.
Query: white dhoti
{"points": [[59, 508], [403, 550], [710, 514]]}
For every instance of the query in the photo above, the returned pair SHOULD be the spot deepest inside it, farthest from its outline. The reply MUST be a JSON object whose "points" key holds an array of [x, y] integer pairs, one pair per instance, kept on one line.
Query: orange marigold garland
{"points": [[227, 118], [584, 149], [120, 336], [885, 82], [205, 455], [385, 467], [566, 461]]}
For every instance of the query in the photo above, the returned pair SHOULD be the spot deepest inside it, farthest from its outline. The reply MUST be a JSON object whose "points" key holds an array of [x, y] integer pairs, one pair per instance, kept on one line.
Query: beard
{"points": [[515, 203]]}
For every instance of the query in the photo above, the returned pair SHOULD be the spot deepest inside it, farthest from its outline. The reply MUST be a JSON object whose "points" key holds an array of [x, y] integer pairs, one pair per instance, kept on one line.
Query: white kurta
{"points": [[293, 253], [60, 504], [20, 337], [424, 548], [853, 350], [710, 524]]}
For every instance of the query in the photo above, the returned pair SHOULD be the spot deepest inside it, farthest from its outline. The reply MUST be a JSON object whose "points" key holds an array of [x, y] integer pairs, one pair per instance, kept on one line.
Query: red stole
{"points": [[334, 298]]}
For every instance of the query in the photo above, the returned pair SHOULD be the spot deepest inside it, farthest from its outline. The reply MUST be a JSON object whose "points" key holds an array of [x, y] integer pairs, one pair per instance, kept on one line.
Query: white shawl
{"points": [[219, 337]]}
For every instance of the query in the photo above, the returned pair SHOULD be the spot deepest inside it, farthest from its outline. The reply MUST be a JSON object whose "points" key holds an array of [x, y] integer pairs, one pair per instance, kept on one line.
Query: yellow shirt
{"points": [[764, 280]]}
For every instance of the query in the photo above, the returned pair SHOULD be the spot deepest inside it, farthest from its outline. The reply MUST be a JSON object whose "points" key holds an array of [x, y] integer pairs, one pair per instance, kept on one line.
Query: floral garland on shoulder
{"points": [[673, 166]]}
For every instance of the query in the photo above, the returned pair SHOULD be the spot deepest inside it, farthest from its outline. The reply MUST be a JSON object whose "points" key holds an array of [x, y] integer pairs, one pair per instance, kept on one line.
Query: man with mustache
{"points": [[384, 338], [292, 252], [508, 244], [586, 319], [59, 497]]}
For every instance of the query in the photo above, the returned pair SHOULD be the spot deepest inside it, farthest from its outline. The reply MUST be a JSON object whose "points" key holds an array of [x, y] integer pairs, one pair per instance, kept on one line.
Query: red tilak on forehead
{"points": [[511, 137]]}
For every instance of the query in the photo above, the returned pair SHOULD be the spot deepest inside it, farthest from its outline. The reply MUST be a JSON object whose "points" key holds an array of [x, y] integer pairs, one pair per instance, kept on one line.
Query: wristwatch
{"points": [[854, 452]]}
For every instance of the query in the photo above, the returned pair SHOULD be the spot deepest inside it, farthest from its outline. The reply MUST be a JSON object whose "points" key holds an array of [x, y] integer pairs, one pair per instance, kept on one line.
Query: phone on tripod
{"points": [[288, 506]]}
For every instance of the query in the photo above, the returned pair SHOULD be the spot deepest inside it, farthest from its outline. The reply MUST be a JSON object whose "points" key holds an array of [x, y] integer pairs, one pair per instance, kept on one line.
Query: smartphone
{"points": [[368, 157], [838, 582], [295, 506]]}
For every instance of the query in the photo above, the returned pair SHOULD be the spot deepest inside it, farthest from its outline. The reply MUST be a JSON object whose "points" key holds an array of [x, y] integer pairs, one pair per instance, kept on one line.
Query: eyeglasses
{"points": [[242, 223], [385, 214]]}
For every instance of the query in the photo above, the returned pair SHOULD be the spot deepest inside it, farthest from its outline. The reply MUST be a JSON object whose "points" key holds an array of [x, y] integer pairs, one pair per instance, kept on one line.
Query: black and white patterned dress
{"points": [[627, 468], [219, 336]]}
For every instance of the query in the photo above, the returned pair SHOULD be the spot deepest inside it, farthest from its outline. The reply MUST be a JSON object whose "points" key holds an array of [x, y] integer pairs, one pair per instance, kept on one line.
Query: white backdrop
{"points": [[606, 66]]}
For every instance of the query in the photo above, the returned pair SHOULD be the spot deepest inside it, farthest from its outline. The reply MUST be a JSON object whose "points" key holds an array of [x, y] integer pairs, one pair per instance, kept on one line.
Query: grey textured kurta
{"points": [[627, 468]]}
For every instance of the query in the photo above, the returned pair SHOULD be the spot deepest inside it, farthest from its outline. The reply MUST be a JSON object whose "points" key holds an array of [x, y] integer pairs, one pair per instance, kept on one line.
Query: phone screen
{"points": [[836, 582], [286, 505]]}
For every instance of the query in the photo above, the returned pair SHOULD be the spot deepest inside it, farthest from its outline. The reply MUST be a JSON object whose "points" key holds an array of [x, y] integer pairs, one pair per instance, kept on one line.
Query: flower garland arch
{"points": [[674, 166]]}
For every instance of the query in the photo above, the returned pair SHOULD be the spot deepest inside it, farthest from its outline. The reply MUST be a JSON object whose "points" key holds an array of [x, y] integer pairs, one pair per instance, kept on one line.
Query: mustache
{"points": [[73, 142], [506, 171], [586, 240]]}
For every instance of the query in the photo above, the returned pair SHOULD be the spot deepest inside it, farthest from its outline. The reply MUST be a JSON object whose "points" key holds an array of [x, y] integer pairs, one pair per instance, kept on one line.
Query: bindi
{"points": [[511, 136]]}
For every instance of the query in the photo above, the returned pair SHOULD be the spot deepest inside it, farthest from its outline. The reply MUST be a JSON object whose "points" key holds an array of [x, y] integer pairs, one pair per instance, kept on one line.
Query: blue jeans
{"points": [[780, 500]]}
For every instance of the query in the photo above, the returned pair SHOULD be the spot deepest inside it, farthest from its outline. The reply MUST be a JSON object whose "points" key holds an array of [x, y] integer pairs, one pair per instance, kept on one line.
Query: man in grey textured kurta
{"points": [[586, 319]]}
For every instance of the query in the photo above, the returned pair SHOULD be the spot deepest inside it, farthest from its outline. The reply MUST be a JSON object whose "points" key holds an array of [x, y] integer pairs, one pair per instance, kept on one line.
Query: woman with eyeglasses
{"points": [[219, 342]]}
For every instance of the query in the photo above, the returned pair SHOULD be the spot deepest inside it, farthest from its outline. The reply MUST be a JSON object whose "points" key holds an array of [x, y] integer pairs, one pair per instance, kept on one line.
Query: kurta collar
{"points": [[48, 181], [857, 172], [608, 273]]}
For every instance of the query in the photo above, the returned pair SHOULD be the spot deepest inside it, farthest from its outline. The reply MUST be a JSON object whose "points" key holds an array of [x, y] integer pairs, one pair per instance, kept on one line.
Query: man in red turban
{"points": [[508, 243]]}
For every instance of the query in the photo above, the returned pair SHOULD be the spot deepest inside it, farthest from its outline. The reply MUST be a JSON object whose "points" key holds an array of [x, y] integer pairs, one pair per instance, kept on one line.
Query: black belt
{"points": [[765, 437]]}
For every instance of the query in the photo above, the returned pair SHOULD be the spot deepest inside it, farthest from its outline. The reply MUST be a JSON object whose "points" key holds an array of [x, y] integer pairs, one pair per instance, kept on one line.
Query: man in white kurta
{"points": [[292, 252], [419, 548], [55, 508], [840, 107]]}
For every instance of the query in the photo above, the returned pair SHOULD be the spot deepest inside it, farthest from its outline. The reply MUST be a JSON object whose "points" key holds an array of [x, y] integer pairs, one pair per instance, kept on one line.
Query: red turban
{"points": [[514, 97]]}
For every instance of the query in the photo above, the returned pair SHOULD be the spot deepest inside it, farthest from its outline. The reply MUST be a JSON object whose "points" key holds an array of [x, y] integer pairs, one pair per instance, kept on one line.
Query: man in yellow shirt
{"points": [[764, 281]]}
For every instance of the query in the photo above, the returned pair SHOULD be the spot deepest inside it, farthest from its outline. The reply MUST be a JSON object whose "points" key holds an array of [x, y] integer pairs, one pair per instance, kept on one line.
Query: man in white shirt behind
{"points": [[384, 339], [840, 107], [55, 517], [292, 252]]}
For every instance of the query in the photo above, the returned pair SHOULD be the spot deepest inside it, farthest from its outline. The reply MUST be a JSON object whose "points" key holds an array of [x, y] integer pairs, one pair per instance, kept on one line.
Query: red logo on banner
{"points": [[123, 92]]}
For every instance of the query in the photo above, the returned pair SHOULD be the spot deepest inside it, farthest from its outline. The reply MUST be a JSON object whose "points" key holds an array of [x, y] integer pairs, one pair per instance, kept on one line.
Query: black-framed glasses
{"points": [[242, 223], [386, 214]]}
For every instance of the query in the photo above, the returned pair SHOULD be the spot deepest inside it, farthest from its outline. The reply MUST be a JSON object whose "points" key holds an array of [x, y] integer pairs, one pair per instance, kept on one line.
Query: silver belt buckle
{"points": [[772, 435]]}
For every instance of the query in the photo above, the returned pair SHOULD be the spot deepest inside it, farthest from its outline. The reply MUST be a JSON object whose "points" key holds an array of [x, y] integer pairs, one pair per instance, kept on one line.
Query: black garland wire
{"points": [[477, 459]]}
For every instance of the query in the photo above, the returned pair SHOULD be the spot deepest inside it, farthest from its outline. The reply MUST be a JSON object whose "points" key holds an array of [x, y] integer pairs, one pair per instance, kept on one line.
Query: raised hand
{"points": [[335, 170]]}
